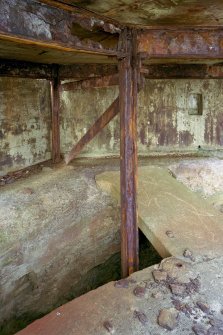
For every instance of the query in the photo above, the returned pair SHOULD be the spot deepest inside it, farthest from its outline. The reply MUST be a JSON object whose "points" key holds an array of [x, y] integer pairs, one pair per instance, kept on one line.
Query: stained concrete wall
{"points": [[25, 122], [79, 110], [164, 123]]}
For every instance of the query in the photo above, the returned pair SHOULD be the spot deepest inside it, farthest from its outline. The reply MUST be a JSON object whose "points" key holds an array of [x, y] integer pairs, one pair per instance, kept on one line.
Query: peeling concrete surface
{"points": [[164, 122], [116, 308], [25, 122]]}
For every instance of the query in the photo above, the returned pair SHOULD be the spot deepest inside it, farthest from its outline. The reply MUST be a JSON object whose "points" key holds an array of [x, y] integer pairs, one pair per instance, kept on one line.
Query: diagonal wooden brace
{"points": [[101, 122]]}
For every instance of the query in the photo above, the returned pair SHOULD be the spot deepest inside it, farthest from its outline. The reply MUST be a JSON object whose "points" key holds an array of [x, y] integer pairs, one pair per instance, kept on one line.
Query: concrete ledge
{"points": [[172, 217], [176, 295]]}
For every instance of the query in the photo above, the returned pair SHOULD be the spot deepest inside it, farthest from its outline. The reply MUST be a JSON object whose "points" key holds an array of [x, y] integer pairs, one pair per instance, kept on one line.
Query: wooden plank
{"points": [[128, 158], [100, 82], [101, 122], [55, 105]]}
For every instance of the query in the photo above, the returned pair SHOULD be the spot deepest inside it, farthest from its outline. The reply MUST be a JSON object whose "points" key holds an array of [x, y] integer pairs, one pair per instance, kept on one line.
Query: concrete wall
{"points": [[25, 121], [79, 110], [164, 123]]}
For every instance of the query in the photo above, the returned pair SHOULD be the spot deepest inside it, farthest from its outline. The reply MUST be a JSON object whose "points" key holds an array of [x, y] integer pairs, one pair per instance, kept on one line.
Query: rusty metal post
{"points": [[128, 156], [55, 108]]}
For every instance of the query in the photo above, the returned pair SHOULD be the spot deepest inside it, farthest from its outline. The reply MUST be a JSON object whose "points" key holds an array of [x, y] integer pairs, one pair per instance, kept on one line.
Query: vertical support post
{"points": [[55, 109], [128, 154]]}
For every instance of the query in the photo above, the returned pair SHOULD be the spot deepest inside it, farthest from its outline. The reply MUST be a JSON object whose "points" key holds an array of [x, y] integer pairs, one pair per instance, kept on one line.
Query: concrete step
{"points": [[172, 217], [175, 295]]}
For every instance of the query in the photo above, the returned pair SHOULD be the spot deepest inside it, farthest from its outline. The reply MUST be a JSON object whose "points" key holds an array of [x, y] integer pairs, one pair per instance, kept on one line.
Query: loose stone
{"points": [[122, 283], [141, 316], [170, 234], [203, 306], [109, 327], [199, 329], [157, 295], [177, 289], [188, 254], [159, 275], [139, 291], [168, 318]]}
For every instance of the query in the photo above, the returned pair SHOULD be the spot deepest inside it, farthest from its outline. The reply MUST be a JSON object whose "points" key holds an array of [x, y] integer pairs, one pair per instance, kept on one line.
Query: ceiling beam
{"points": [[98, 82], [85, 71], [19, 69], [182, 71], [181, 44], [43, 26]]}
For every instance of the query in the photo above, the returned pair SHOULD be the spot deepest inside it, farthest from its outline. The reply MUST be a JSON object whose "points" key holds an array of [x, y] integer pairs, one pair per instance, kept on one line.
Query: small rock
{"points": [[214, 331], [199, 329], [141, 317], [159, 275], [122, 283], [27, 190], [218, 323], [109, 327], [157, 295], [203, 306], [188, 254], [139, 291], [170, 234], [150, 285], [177, 289], [168, 318]]}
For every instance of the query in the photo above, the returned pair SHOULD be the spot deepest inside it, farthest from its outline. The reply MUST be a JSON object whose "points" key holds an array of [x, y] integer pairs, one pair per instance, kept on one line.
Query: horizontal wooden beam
{"points": [[182, 71], [100, 82], [25, 70], [85, 71], [41, 25], [179, 44], [101, 122], [21, 69]]}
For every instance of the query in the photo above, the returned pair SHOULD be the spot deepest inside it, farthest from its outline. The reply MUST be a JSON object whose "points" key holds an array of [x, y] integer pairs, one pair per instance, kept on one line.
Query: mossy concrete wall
{"points": [[164, 122], [25, 123]]}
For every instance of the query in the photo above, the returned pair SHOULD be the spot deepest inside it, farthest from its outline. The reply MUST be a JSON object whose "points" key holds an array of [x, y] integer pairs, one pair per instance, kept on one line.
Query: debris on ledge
{"points": [[176, 296]]}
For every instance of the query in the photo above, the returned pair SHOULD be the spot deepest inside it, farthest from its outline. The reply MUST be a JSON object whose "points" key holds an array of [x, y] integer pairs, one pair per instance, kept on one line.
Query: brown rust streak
{"points": [[128, 158], [101, 122], [55, 105]]}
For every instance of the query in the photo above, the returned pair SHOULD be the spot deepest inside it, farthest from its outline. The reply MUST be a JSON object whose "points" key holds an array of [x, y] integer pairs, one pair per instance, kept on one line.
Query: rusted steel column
{"points": [[55, 108], [128, 156]]}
